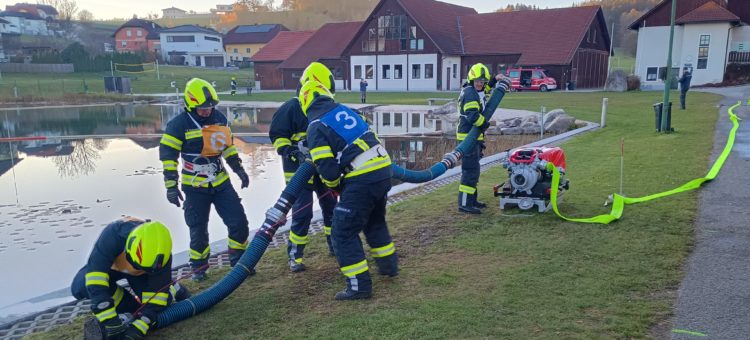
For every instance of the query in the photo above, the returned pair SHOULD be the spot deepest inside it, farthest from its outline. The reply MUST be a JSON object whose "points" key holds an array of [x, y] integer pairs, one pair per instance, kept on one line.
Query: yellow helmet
{"points": [[479, 72], [309, 92], [199, 93], [320, 73], [149, 246]]}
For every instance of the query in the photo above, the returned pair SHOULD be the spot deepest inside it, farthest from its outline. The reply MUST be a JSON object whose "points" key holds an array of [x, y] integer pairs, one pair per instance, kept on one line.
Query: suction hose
{"points": [[275, 217], [450, 159]]}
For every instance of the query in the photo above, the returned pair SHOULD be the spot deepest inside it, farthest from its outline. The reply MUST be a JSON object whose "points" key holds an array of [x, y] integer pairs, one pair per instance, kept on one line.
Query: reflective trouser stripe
{"points": [[141, 325], [467, 189], [327, 230], [288, 176], [383, 251], [171, 142], [196, 255], [281, 142], [169, 165], [119, 294], [237, 245], [331, 184], [297, 239], [370, 166], [159, 299], [106, 314], [97, 279], [357, 268]]}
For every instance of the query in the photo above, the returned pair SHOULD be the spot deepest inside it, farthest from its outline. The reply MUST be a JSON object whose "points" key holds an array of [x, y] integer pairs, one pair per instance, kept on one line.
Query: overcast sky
{"points": [[106, 9]]}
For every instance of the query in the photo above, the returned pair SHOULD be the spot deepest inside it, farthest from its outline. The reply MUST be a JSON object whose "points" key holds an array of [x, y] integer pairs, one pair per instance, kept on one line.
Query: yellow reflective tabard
{"points": [[216, 138]]}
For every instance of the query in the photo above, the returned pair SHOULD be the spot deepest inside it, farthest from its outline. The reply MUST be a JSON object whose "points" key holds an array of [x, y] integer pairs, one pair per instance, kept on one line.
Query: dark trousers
{"points": [[683, 94], [229, 207], [127, 303], [363, 96], [302, 212], [467, 190], [361, 208]]}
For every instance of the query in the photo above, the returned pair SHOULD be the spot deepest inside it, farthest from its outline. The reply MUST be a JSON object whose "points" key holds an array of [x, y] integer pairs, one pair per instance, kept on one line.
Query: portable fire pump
{"points": [[529, 182]]}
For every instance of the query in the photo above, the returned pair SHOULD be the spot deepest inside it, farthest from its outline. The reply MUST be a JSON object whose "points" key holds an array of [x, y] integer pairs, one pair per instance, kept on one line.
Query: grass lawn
{"points": [[504, 274], [56, 85]]}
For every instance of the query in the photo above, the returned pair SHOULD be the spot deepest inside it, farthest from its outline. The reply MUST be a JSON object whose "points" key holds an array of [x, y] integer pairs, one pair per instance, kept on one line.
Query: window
{"points": [[515, 74], [357, 71], [420, 44], [428, 71], [211, 38], [397, 71], [386, 71], [501, 68], [369, 71], [651, 73], [404, 44], [415, 120], [235, 50], [180, 38], [537, 75], [392, 27], [398, 118], [128, 33], [455, 69], [296, 74], [248, 50], [703, 44], [386, 119], [416, 71], [124, 43], [139, 33], [594, 36]]}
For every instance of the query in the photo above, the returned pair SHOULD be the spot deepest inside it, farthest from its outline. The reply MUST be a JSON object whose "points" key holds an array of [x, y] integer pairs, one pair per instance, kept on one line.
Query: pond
{"points": [[90, 165]]}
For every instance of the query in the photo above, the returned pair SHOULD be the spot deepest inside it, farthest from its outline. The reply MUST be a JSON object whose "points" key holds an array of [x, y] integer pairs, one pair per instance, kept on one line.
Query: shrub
{"points": [[634, 82]]}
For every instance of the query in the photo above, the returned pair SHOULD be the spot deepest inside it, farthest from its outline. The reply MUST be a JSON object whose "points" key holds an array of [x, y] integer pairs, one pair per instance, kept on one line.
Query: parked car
{"points": [[531, 79]]}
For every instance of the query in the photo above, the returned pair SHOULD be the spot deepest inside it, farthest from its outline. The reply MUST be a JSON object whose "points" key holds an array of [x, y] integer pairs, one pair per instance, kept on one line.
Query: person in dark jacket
{"points": [[233, 86], [363, 90], [288, 133], [684, 86], [201, 136], [139, 251], [350, 159]]}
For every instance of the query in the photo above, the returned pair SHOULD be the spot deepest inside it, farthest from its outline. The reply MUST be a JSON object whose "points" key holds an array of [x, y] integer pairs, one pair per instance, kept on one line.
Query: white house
{"points": [[708, 35], [173, 13], [192, 45], [25, 23], [405, 119], [5, 26]]}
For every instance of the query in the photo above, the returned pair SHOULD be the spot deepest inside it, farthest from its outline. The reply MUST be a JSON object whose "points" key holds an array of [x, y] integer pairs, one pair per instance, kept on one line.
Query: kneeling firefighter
{"points": [[288, 133], [350, 158], [140, 252], [201, 136]]}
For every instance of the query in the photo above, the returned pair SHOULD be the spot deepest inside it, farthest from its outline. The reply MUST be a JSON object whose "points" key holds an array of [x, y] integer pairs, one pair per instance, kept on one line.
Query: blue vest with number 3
{"points": [[345, 122]]}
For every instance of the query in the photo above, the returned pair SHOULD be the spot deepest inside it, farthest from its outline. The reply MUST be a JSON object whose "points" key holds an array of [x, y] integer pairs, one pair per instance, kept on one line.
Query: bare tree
{"points": [[81, 161], [85, 16], [67, 9]]}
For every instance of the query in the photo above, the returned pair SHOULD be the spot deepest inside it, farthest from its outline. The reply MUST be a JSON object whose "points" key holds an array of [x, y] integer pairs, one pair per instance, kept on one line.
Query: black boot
{"points": [[295, 266], [179, 292], [480, 205], [467, 203], [358, 287], [388, 266]]}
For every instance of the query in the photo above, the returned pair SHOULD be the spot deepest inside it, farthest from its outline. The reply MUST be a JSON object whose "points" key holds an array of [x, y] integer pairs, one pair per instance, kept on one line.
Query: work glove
{"points": [[174, 196], [133, 333], [297, 156], [113, 328], [504, 83], [236, 165]]}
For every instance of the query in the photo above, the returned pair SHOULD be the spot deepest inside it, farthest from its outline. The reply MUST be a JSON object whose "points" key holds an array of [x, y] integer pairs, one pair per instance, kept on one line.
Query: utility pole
{"points": [[668, 80]]}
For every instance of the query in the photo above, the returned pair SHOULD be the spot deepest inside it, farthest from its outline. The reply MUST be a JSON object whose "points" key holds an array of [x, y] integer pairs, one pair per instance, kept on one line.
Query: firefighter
{"points": [[351, 160], [201, 136], [233, 86], [288, 133], [140, 252]]}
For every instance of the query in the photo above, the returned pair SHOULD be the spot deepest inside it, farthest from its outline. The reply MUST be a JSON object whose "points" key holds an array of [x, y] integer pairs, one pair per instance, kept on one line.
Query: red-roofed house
{"points": [[268, 59], [325, 46], [138, 35], [708, 35], [427, 45]]}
